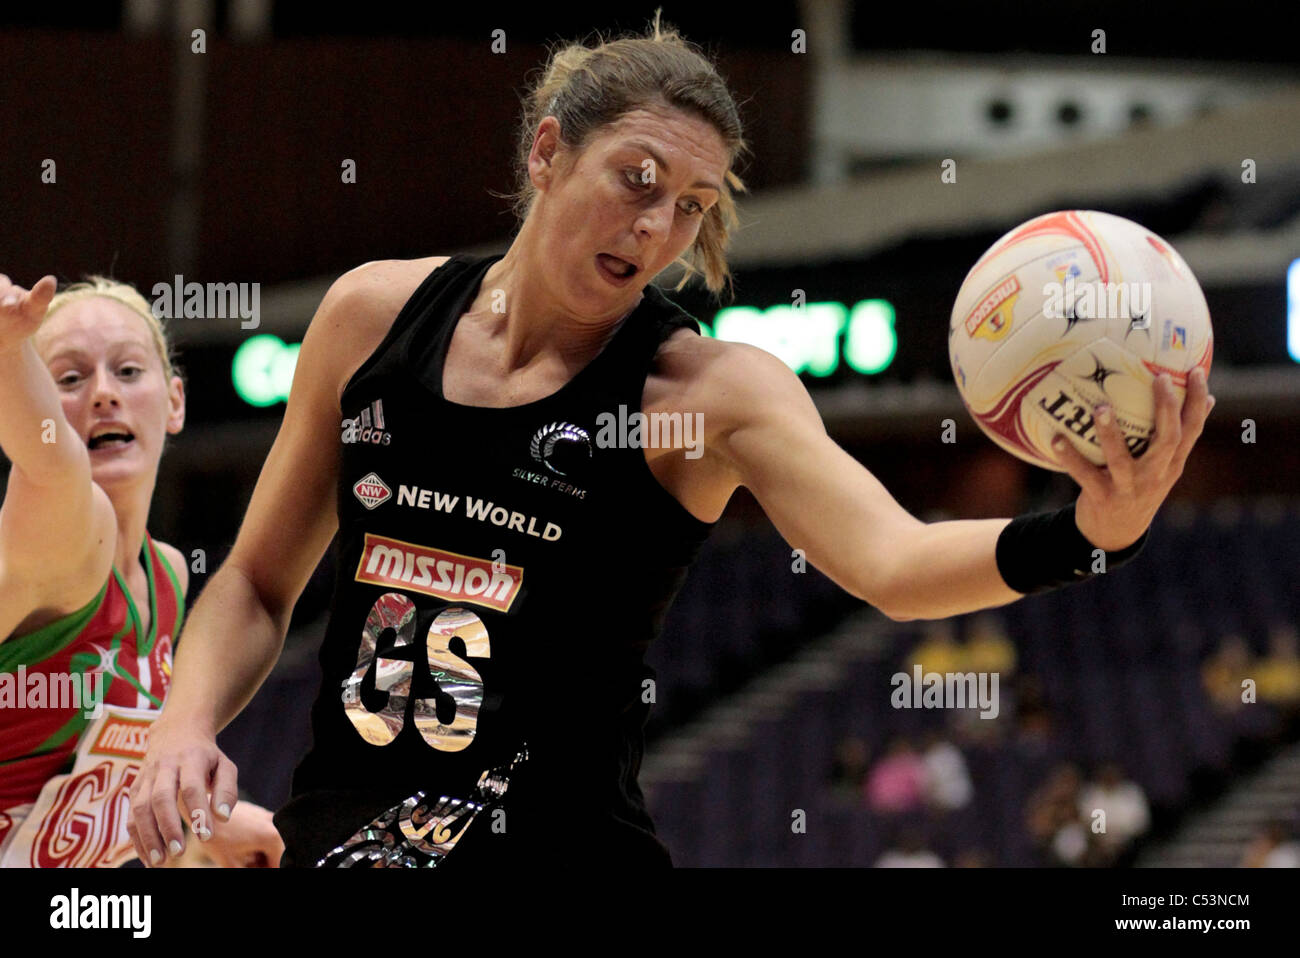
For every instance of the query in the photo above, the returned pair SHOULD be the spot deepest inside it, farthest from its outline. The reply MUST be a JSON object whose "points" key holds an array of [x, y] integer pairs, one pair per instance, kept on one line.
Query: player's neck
{"points": [[534, 323], [131, 508]]}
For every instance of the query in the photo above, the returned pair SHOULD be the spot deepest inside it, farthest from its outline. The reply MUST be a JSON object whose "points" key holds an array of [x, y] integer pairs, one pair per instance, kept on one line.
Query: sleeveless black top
{"points": [[501, 574]]}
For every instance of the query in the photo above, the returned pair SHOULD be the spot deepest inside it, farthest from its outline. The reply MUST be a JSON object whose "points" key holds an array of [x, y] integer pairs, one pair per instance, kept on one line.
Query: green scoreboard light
{"points": [[262, 369], [814, 337], [811, 338]]}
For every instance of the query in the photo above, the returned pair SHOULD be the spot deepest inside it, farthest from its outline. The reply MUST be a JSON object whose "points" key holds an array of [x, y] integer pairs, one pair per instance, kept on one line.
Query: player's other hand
{"points": [[183, 762], [1119, 500], [248, 840], [21, 311]]}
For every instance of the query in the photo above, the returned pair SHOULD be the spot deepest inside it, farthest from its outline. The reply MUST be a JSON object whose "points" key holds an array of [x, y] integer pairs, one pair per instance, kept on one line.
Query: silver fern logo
{"points": [[569, 439]]}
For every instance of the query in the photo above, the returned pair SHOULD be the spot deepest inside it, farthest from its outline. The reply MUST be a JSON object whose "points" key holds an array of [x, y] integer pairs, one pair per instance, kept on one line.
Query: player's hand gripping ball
{"points": [[1088, 329]]}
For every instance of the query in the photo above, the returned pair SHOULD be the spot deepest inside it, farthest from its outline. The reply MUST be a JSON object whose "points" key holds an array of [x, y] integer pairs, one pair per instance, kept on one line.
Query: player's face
{"points": [[639, 191], [113, 387]]}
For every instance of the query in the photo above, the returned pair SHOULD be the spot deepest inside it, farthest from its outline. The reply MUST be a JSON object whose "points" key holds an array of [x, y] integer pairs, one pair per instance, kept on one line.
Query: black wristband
{"points": [[1045, 551]]}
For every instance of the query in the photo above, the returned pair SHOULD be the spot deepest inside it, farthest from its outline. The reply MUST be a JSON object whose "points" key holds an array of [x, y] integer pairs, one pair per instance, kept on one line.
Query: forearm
{"points": [[948, 568], [32, 417], [230, 644]]}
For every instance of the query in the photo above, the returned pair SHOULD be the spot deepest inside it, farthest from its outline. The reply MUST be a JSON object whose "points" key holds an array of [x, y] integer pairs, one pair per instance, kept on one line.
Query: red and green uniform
{"points": [[37, 743]]}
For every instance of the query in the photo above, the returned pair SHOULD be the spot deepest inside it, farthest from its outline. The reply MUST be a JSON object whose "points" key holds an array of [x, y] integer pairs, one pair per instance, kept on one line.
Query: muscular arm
{"points": [[237, 627], [57, 528], [768, 436], [766, 430]]}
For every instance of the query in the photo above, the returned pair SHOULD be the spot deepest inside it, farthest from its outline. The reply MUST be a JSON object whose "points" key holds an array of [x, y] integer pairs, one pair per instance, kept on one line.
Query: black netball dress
{"points": [[501, 574]]}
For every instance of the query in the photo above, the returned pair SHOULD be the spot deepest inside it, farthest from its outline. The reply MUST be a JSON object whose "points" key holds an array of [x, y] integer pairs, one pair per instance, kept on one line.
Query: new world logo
{"points": [[370, 490]]}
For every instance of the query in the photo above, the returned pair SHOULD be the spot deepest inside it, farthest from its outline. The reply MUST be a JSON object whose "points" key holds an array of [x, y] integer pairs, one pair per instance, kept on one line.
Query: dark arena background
{"points": [[211, 141]]}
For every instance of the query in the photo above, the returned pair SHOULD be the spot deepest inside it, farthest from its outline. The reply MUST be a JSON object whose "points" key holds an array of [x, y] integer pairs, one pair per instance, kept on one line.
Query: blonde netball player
{"points": [[90, 603]]}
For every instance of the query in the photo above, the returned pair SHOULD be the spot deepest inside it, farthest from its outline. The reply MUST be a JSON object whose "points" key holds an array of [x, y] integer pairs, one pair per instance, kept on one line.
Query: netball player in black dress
{"points": [[508, 540]]}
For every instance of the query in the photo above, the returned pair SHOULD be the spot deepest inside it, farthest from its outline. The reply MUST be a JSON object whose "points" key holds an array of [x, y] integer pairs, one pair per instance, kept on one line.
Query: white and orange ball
{"points": [[1067, 311]]}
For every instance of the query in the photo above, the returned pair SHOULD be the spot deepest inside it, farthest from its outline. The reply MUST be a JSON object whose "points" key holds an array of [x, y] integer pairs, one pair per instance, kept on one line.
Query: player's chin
{"points": [[122, 467]]}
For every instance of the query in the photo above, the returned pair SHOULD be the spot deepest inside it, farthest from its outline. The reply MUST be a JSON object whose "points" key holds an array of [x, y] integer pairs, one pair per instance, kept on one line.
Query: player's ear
{"points": [[176, 405], [542, 160]]}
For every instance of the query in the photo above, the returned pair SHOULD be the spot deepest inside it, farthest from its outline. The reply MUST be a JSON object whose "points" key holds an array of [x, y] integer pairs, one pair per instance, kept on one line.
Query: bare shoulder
{"points": [[44, 577], [731, 381], [359, 309], [384, 283], [176, 560], [731, 390]]}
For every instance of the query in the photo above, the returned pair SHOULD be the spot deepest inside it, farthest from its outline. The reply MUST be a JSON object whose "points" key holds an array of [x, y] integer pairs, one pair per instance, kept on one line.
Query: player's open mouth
{"points": [[110, 440], [616, 270]]}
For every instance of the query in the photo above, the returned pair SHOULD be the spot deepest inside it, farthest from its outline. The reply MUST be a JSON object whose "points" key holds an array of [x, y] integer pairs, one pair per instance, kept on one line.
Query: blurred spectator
{"points": [[1125, 805], [897, 782], [849, 770], [1035, 728], [1223, 672], [1272, 848], [909, 852], [937, 651], [1053, 817], [988, 649], [1277, 675], [947, 781], [1033, 720]]}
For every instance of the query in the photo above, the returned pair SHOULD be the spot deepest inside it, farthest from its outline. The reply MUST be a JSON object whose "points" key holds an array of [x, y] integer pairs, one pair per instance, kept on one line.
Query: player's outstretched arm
{"points": [[766, 428], [760, 419], [57, 528], [236, 630]]}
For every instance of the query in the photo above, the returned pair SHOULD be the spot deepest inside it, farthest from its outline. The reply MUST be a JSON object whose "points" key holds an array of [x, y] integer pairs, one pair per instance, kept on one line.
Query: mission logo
{"points": [[446, 575]]}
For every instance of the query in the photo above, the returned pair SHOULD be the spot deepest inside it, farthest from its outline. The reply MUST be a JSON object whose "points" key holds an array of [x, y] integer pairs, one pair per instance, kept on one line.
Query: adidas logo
{"points": [[368, 427]]}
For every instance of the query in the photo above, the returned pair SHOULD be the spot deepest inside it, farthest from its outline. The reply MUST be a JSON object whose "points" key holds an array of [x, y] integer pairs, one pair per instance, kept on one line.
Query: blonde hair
{"points": [[128, 296], [587, 88]]}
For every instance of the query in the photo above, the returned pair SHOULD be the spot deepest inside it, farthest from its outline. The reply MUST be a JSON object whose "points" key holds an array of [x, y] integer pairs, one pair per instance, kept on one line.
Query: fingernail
{"points": [[223, 810], [155, 856], [174, 847], [10, 299], [1103, 415], [1058, 443], [204, 834]]}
